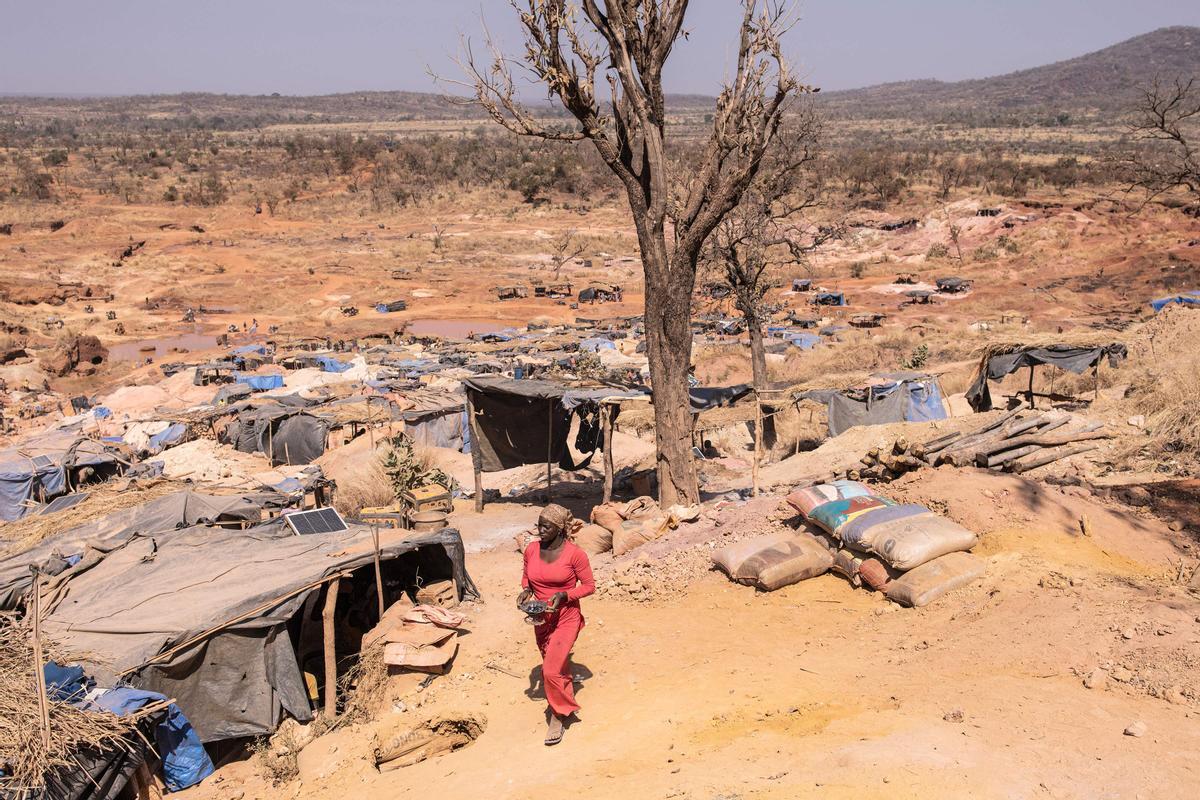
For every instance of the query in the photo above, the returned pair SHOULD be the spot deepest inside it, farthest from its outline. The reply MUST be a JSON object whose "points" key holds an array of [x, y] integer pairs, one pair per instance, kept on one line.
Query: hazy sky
{"points": [[312, 47]]}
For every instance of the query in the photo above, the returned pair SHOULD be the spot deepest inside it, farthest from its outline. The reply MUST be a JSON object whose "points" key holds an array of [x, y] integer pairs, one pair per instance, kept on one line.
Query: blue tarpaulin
{"points": [[260, 383], [184, 760], [1185, 299], [331, 364], [173, 433], [249, 348]]}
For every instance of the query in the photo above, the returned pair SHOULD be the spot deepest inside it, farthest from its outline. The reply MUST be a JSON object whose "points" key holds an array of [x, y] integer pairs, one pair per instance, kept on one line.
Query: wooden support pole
{"points": [[476, 455], [328, 634], [1096, 383], [758, 424], [549, 448], [606, 414], [370, 424], [1031, 387], [378, 569], [38, 660]]}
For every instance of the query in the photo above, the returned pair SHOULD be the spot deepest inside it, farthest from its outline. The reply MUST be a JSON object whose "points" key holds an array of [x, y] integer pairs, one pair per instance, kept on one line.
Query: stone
{"points": [[1122, 675], [1128, 633], [1136, 729], [953, 716], [1176, 525], [1093, 679], [1137, 421]]}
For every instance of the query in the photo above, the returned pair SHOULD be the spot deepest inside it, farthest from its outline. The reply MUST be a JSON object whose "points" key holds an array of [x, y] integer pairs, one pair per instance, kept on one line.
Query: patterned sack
{"points": [[805, 500], [836, 513]]}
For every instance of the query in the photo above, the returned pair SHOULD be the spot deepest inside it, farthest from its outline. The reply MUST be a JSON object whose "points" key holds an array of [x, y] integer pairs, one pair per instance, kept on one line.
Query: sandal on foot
{"points": [[554, 731]]}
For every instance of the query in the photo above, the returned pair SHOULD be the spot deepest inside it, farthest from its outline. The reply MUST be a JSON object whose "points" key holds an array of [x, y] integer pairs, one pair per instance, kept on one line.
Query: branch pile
{"points": [[1013, 443], [26, 760]]}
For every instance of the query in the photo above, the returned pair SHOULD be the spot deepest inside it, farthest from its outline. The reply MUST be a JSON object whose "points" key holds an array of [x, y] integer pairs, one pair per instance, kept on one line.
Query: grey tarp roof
{"points": [[1072, 359], [166, 513], [158, 591], [63, 449]]}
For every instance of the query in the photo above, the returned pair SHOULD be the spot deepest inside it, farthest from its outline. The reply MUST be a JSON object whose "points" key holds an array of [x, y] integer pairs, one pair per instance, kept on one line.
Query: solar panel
{"points": [[64, 502], [321, 520], [41, 462]]}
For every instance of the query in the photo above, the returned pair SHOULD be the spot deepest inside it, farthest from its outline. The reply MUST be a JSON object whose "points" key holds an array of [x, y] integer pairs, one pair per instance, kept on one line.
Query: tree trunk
{"points": [[669, 349], [758, 363], [758, 353]]}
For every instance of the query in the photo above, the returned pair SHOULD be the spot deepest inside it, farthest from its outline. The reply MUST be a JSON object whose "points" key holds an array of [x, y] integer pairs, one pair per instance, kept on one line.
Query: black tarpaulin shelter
{"points": [[210, 616], [995, 365], [281, 431], [517, 422]]}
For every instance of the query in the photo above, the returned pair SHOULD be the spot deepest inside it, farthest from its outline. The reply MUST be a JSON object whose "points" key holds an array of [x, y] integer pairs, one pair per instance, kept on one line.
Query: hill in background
{"points": [[1100, 85]]}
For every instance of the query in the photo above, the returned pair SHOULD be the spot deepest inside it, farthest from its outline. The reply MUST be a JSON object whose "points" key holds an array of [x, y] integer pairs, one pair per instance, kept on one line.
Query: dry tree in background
{"points": [[573, 50]]}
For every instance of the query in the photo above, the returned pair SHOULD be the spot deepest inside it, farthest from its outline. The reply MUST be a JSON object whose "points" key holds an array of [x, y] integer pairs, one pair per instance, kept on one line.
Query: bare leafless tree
{"points": [[1165, 129], [565, 249], [769, 231], [573, 49]]}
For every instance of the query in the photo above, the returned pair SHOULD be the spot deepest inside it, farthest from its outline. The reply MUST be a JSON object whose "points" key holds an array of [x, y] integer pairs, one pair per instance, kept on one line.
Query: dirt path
{"points": [[819, 690]]}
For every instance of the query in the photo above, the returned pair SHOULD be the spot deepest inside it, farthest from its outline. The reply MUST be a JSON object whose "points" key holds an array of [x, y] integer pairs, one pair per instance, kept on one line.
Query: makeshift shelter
{"points": [[1002, 360], [51, 464], [891, 397], [395, 305], [285, 434], [830, 299], [517, 422], [868, 320], [953, 285], [176, 510], [919, 297], [259, 383], [225, 621], [801, 284], [1187, 300], [511, 292]]}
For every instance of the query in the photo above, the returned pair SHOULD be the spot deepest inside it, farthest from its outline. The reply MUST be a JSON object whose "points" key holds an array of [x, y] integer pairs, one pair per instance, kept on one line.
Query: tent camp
{"points": [[50, 464], [890, 397], [226, 621], [1002, 360]]}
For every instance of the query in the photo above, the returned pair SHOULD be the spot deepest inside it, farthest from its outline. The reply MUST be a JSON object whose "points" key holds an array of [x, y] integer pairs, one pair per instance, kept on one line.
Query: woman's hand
{"points": [[523, 597], [557, 600]]}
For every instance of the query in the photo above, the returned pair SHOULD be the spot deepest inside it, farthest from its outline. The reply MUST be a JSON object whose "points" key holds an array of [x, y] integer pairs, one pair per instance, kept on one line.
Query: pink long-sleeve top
{"points": [[571, 572]]}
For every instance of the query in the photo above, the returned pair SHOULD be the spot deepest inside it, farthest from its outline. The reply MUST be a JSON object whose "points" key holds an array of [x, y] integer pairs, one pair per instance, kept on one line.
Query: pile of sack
{"points": [[905, 550], [622, 527]]}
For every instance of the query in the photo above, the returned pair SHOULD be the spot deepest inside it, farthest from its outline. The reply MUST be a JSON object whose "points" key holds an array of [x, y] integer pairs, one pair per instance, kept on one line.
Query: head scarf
{"points": [[561, 518]]}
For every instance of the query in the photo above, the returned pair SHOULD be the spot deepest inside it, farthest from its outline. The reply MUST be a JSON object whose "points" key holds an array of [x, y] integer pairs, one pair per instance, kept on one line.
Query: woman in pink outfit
{"points": [[558, 573]]}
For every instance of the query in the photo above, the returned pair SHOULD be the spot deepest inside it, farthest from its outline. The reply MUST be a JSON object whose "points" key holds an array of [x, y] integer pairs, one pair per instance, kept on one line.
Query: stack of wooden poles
{"points": [[1012, 443]]}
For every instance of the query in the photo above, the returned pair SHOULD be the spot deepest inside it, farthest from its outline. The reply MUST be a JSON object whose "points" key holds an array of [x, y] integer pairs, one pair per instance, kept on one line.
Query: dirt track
{"points": [[819, 690]]}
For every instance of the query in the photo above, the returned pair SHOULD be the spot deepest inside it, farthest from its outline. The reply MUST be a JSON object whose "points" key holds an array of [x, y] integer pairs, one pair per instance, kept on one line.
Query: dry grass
{"points": [[371, 489], [102, 500], [23, 752], [1170, 400]]}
